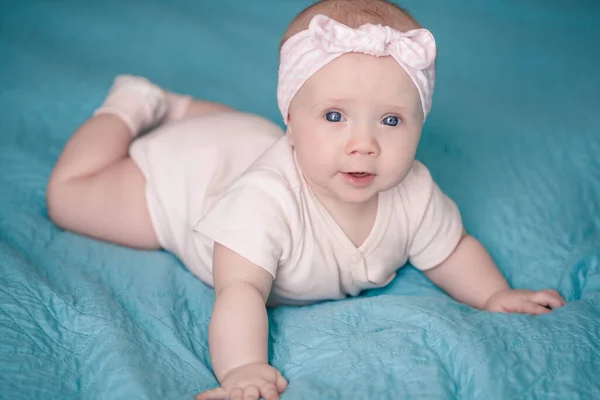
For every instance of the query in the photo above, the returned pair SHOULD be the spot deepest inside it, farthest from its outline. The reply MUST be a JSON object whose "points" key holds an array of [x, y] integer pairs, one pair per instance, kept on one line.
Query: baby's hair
{"points": [[354, 13]]}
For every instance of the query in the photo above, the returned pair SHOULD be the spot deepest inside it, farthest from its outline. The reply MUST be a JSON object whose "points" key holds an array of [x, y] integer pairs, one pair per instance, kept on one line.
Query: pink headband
{"points": [[325, 40]]}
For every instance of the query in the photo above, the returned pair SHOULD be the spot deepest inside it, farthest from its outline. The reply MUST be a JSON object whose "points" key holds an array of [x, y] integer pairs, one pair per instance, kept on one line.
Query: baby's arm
{"points": [[238, 331], [470, 276]]}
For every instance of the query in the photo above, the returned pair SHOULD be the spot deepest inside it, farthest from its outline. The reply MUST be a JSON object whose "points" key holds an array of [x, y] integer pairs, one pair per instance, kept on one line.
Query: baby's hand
{"points": [[248, 382], [524, 301]]}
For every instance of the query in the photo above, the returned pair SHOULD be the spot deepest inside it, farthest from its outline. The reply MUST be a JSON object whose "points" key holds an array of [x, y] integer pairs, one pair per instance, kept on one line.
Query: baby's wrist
{"points": [[494, 295], [241, 367]]}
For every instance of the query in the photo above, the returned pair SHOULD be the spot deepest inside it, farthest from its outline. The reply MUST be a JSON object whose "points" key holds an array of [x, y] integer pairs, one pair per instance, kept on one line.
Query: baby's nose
{"points": [[363, 143]]}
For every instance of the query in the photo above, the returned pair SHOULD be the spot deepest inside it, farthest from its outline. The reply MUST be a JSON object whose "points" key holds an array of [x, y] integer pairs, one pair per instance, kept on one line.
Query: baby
{"points": [[333, 207]]}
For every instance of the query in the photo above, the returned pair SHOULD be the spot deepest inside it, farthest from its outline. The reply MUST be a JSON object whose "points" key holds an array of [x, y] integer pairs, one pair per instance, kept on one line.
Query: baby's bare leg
{"points": [[95, 188]]}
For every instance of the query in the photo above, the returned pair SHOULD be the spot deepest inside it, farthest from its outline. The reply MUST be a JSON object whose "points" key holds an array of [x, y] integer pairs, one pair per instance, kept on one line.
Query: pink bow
{"points": [[413, 48]]}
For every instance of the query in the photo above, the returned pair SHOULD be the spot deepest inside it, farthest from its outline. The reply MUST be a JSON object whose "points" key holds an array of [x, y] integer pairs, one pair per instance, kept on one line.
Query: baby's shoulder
{"points": [[274, 171], [266, 190]]}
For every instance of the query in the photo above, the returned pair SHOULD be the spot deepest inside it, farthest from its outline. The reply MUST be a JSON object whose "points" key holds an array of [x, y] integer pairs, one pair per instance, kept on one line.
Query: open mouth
{"points": [[358, 174], [357, 178]]}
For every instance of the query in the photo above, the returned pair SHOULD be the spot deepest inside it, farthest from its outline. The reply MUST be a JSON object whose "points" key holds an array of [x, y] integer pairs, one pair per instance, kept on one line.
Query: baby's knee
{"points": [[54, 200]]}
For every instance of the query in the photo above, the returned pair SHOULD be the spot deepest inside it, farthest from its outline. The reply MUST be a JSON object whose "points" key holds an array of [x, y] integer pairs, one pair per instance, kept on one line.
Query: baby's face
{"points": [[355, 126]]}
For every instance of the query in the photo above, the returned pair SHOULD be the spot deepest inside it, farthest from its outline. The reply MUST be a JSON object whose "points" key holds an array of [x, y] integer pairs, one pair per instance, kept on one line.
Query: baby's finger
{"points": [[215, 394], [550, 291], [547, 298], [236, 394], [281, 383], [269, 392], [556, 295], [532, 308], [251, 393]]}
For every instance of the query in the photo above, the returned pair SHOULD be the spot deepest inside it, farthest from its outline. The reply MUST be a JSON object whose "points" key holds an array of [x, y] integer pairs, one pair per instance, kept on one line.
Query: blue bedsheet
{"points": [[514, 138]]}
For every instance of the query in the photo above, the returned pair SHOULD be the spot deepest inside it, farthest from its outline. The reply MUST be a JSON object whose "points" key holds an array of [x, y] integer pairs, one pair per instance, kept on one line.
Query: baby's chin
{"points": [[360, 195]]}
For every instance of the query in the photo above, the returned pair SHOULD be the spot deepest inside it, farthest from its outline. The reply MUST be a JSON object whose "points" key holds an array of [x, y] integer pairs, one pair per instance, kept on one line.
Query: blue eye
{"points": [[391, 120], [333, 116]]}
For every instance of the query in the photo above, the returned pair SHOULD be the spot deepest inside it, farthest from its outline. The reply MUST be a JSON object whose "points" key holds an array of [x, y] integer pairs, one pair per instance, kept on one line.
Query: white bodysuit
{"points": [[232, 178]]}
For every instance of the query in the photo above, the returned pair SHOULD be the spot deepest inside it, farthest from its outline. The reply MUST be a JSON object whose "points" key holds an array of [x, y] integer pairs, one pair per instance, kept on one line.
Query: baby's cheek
{"points": [[396, 168], [309, 158]]}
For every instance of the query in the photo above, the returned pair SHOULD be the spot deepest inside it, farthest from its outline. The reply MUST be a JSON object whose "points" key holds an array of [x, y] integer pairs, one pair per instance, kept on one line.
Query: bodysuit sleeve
{"points": [[434, 221], [252, 218]]}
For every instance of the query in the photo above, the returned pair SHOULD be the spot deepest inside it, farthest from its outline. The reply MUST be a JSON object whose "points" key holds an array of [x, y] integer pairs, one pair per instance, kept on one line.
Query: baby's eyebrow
{"points": [[333, 100], [323, 104], [395, 107]]}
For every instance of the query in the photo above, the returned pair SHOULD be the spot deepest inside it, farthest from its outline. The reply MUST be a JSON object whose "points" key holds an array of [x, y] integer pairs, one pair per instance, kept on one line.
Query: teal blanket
{"points": [[514, 138]]}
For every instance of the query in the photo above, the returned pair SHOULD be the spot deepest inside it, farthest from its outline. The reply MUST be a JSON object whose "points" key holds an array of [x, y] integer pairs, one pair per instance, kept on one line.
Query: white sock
{"points": [[178, 105], [137, 101]]}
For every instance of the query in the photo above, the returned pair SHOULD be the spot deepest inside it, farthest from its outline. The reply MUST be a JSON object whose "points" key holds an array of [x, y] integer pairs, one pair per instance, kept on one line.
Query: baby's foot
{"points": [[137, 101]]}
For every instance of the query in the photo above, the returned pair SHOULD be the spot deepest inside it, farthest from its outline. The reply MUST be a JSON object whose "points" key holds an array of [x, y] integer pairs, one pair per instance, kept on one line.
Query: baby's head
{"points": [[354, 13], [355, 85]]}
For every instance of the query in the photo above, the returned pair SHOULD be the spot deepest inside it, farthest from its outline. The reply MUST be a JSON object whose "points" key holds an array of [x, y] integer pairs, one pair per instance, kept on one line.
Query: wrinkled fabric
{"points": [[513, 137]]}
